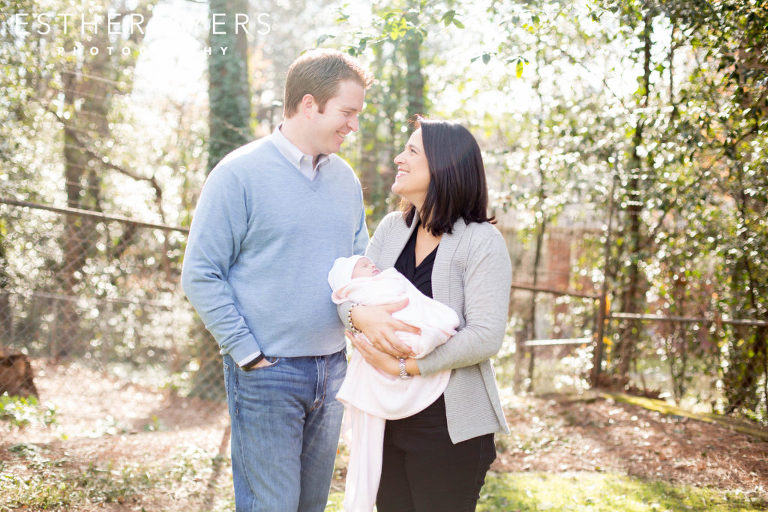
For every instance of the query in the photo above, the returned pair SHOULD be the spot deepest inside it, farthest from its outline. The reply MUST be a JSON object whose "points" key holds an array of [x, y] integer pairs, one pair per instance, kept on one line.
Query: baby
{"points": [[370, 396]]}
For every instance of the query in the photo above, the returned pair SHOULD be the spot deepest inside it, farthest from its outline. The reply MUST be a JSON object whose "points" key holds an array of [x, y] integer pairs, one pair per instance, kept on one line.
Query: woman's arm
{"points": [[381, 360], [373, 251], [376, 322], [486, 281]]}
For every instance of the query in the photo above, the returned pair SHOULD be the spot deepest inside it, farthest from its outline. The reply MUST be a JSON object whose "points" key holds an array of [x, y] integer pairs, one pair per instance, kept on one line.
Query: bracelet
{"points": [[403, 372], [352, 327]]}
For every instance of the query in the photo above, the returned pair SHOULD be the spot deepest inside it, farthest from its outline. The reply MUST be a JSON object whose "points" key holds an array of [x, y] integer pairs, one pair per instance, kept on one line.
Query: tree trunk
{"points": [[87, 124], [749, 346], [531, 327], [229, 128], [414, 80], [375, 188], [634, 293], [541, 217], [228, 87], [89, 87], [6, 314]]}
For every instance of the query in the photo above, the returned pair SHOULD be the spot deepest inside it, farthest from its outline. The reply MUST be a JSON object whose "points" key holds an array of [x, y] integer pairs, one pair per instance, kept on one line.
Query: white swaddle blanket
{"points": [[370, 396]]}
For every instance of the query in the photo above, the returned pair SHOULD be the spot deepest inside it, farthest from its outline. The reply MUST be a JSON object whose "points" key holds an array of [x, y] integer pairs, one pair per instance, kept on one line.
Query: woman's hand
{"points": [[382, 361], [380, 327], [376, 358]]}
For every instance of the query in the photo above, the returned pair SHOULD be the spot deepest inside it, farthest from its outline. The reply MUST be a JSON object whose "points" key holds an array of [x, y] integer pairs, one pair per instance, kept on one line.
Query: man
{"points": [[272, 218]]}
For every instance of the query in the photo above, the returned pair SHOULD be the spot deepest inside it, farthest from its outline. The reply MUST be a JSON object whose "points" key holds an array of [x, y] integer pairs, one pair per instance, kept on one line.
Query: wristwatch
{"points": [[403, 372], [250, 365]]}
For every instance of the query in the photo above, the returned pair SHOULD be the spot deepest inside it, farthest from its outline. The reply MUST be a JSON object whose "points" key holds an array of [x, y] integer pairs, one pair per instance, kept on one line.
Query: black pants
{"points": [[423, 471]]}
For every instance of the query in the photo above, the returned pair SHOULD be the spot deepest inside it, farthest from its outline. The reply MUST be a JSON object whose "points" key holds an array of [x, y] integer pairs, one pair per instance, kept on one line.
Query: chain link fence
{"points": [[103, 291], [565, 336]]}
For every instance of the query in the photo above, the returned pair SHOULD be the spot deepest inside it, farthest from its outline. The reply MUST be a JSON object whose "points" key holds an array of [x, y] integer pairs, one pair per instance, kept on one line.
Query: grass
{"points": [[56, 485], [22, 411], [603, 492], [595, 492], [60, 485]]}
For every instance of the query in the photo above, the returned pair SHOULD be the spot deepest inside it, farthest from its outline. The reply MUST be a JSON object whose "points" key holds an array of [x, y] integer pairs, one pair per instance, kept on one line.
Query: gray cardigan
{"points": [[472, 274]]}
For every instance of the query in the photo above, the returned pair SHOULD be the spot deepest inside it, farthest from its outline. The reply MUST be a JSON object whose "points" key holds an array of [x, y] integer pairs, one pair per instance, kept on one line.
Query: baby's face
{"points": [[364, 268]]}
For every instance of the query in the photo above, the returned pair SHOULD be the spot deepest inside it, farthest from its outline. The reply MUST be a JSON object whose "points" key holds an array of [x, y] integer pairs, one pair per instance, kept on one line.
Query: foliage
{"points": [[699, 186], [666, 100], [396, 44], [55, 485], [685, 146], [228, 86], [22, 411]]}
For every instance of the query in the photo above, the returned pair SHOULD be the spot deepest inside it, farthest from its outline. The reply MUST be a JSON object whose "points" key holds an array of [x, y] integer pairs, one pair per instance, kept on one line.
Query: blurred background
{"points": [[624, 141], [625, 144]]}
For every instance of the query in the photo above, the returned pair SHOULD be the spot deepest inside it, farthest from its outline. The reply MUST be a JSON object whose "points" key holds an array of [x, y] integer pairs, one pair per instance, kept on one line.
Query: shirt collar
{"points": [[293, 153]]}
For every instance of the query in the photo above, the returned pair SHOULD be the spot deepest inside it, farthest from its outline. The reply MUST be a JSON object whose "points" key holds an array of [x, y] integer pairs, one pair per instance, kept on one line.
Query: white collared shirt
{"points": [[301, 161]]}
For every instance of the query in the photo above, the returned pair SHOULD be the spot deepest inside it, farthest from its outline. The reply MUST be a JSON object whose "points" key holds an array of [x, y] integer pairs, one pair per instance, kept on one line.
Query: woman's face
{"points": [[412, 180]]}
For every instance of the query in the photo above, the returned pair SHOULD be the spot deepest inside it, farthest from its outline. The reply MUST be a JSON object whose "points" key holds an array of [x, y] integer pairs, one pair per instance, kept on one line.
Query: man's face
{"points": [[339, 117]]}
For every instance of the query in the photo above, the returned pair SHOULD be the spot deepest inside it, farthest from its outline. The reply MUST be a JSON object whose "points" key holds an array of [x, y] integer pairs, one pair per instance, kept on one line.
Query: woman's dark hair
{"points": [[457, 187]]}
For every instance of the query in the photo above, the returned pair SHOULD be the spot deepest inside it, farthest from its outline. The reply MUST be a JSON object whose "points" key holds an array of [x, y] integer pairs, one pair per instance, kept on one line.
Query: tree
{"points": [[554, 153], [636, 182], [735, 148], [77, 89], [229, 128], [228, 85], [399, 34], [702, 183]]}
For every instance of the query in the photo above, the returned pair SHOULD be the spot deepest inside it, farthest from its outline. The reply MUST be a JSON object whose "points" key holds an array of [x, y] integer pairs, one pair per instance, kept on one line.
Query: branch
{"points": [[105, 161], [605, 82]]}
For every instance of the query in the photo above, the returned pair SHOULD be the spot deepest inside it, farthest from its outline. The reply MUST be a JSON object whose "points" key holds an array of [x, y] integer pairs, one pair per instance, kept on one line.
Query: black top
{"points": [[420, 276], [433, 417]]}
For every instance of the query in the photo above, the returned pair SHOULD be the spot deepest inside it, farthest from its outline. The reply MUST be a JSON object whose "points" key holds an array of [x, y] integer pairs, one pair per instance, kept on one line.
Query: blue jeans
{"points": [[285, 431]]}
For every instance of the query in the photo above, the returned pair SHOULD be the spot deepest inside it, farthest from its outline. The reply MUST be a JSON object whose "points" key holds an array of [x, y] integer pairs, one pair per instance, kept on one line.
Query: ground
{"points": [[559, 434], [113, 445]]}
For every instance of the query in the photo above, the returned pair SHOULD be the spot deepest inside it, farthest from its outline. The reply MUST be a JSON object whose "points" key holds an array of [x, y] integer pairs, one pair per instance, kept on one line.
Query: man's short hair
{"points": [[319, 73]]}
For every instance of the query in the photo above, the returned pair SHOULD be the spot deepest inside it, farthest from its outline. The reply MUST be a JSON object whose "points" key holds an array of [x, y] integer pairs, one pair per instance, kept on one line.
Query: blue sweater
{"points": [[261, 244]]}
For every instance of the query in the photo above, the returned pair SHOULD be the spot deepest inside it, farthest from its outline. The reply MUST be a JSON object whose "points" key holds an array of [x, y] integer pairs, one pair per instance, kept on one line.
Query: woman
{"points": [[443, 241]]}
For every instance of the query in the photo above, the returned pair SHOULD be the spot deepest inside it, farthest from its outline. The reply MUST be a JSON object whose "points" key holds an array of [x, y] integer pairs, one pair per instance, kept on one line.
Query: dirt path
{"points": [[104, 422], [559, 434]]}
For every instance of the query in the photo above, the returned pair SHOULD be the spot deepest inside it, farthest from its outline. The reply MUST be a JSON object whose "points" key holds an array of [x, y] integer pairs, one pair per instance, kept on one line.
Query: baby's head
{"points": [[364, 268], [346, 269]]}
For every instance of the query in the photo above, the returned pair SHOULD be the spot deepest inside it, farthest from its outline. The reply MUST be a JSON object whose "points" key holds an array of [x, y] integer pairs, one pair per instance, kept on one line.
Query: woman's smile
{"points": [[412, 161]]}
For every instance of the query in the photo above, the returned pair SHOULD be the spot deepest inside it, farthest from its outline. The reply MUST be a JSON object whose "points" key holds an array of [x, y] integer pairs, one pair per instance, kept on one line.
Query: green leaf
{"points": [[447, 18]]}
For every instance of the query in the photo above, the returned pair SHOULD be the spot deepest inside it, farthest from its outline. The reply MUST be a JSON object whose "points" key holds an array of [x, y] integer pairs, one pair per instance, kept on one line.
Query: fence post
{"points": [[517, 379], [602, 312], [597, 360], [53, 329]]}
